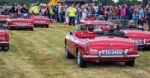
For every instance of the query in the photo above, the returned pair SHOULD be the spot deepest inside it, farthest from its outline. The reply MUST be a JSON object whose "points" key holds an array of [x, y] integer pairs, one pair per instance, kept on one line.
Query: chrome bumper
{"points": [[3, 42], [121, 56]]}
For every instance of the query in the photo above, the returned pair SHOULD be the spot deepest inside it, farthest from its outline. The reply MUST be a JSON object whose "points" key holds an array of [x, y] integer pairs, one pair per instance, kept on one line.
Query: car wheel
{"points": [[80, 60], [5, 48], [31, 29], [130, 63], [146, 48], [47, 26], [68, 54]]}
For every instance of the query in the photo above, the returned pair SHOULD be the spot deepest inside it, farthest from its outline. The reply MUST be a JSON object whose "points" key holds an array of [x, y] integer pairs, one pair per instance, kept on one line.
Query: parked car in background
{"points": [[3, 19], [41, 21], [22, 21], [4, 38], [137, 33]]}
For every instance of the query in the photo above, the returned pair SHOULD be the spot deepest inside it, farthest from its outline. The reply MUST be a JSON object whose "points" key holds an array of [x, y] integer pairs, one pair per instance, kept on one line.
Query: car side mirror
{"points": [[71, 33]]}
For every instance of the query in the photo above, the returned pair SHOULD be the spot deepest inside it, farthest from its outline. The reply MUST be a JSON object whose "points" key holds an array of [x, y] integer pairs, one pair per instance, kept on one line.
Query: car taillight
{"points": [[146, 40], [2, 38], [93, 51], [130, 51]]}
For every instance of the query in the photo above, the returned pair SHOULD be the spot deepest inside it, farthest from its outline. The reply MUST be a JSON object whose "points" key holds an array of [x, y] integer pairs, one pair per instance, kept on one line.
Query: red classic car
{"points": [[142, 38], [22, 21], [41, 21], [89, 45], [137, 33], [3, 19], [104, 25], [4, 39]]}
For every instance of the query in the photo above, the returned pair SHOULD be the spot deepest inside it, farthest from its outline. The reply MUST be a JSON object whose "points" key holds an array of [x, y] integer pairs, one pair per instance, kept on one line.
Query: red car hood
{"points": [[39, 18], [4, 17], [94, 22], [2, 31], [137, 34], [22, 20], [110, 42]]}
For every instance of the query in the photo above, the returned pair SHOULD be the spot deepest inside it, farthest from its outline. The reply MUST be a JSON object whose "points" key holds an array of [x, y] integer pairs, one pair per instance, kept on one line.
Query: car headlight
{"points": [[146, 40]]}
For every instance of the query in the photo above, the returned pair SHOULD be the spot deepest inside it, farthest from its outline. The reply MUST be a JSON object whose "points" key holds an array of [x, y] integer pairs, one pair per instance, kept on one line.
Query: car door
{"points": [[71, 44]]}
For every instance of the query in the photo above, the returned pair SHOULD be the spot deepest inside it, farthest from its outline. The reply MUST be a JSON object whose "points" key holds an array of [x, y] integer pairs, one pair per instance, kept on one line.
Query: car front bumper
{"points": [[144, 45], [40, 24], [121, 58], [4, 43], [22, 27]]}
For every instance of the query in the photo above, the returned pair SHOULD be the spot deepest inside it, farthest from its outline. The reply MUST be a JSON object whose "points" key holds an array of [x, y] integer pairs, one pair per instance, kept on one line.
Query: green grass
{"points": [[40, 54]]}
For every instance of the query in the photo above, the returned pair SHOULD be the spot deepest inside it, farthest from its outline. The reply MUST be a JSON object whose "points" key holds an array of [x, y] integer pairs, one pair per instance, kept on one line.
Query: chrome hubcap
{"points": [[78, 58]]}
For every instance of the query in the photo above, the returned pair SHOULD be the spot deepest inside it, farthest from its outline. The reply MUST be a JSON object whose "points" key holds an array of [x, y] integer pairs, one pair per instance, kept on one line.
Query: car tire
{"points": [[5, 48], [130, 63], [47, 26], [31, 29], [80, 60], [68, 54]]}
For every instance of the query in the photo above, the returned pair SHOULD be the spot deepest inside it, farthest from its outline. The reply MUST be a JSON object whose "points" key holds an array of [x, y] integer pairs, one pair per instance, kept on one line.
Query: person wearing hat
{"points": [[72, 14]]}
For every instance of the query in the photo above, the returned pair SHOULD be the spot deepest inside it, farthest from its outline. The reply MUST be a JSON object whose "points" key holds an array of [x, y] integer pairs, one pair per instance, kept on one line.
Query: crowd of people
{"points": [[73, 13]]}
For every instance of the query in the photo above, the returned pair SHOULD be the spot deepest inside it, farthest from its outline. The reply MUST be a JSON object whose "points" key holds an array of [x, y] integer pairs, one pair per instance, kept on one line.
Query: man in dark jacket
{"points": [[24, 9], [12, 9], [148, 18]]}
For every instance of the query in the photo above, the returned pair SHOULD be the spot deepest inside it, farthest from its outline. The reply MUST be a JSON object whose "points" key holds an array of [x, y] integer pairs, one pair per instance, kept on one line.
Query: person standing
{"points": [[127, 12], [60, 13], [72, 14], [66, 15], [148, 17], [109, 14], [141, 16], [36, 9], [84, 12], [135, 14]]}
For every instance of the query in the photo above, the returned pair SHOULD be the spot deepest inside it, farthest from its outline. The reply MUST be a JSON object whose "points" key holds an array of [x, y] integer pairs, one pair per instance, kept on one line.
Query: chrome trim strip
{"points": [[4, 42], [121, 56]]}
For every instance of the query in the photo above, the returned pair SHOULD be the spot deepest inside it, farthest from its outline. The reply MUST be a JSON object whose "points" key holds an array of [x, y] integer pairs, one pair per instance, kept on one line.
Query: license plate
{"points": [[139, 42], [2, 19], [22, 24], [111, 52], [39, 22]]}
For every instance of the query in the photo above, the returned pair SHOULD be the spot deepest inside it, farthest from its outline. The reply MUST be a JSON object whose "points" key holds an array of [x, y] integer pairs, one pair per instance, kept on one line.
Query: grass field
{"points": [[40, 54]]}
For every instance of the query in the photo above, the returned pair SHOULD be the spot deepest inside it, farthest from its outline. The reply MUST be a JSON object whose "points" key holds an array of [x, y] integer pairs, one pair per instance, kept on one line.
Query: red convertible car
{"points": [[3, 19], [41, 21], [104, 25], [4, 38], [88, 45], [22, 21], [141, 37]]}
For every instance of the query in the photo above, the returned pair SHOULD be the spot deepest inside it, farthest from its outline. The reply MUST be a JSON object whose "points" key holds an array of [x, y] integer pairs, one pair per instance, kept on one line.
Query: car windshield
{"points": [[22, 15], [88, 27], [123, 24]]}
